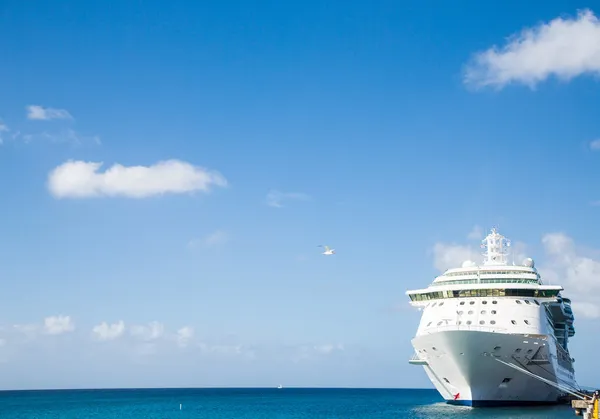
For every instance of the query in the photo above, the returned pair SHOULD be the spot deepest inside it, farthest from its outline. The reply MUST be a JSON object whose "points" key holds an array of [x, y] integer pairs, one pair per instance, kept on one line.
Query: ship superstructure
{"points": [[479, 314]]}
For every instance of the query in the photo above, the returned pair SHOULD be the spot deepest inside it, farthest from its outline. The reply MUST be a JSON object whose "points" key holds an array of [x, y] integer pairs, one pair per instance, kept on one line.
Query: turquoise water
{"points": [[286, 403]]}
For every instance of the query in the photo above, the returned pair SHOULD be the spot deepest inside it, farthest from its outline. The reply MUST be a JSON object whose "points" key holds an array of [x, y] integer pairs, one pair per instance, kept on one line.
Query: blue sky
{"points": [[260, 130]]}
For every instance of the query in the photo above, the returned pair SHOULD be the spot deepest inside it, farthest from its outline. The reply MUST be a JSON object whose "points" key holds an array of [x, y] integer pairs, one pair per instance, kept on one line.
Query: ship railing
{"points": [[416, 360]]}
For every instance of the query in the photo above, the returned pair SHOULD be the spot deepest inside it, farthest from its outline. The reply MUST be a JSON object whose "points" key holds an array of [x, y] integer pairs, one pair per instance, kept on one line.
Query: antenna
{"points": [[495, 246]]}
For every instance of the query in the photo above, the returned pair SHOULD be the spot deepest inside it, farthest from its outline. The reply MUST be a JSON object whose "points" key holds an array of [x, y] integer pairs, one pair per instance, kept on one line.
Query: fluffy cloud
{"points": [[595, 145], [276, 198], [79, 179], [476, 233], [564, 47], [184, 335], [448, 256], [152, 331], [37, 112], [576, 268], [148, 343], [57, 325], [3, 129], [565, 263], [105, 331]]}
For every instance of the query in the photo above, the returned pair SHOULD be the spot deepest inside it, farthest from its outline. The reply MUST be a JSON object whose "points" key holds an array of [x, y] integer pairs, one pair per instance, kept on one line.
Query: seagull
{"points": [[327, 251]]}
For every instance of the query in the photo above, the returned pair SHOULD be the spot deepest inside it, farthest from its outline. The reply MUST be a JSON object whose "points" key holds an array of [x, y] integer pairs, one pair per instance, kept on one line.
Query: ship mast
{"points": [[496, 248]]}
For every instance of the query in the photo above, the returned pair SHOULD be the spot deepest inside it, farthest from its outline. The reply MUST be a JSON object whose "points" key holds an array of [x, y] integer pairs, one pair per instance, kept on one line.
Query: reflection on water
{"points": [[446, 411]]}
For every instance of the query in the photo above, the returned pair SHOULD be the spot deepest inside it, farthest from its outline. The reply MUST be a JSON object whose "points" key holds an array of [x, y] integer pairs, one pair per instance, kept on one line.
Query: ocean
{"points": [[251, 403]]}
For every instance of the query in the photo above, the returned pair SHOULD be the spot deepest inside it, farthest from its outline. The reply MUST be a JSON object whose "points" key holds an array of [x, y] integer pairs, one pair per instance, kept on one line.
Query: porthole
{"points": [[513, 321], [469, 322], [494, 302], [462, 303], [493, 311], [482, 311], [493, 321], [518, 301], [536, 302], [459, 312], [481, 322], [429, 324], [470, 312], [433, 305], [439, 323], [526, 321], [471, 302], [497, 347], [484, 302], [441, 304], [527, 302]]}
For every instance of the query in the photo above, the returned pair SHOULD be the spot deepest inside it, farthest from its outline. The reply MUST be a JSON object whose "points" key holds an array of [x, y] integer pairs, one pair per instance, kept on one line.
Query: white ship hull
{"points": [[463, 366]]}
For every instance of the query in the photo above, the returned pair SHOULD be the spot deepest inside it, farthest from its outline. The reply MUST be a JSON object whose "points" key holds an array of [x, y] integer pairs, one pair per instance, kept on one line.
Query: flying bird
{"points": [[327, 251]]}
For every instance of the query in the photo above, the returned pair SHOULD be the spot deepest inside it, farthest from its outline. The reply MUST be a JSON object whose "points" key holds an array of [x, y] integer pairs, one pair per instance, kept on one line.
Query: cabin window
{"points": [[481, 322], [429, 324], [506, 380], [433, 305], [469, 322], [459, 312], [527, 302], [484, 302], [439, 323], [446, 380], [526, 321], [517, 350], [482, 311], [493, 311], [518, 301], [493, 321], [494, 302], [513, 321], [536, 302], [470, 312], [471, 302], [462, 303]]}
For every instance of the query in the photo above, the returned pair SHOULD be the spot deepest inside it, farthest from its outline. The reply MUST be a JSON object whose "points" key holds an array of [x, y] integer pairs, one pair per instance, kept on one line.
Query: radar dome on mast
{"points": [[528, 262]]}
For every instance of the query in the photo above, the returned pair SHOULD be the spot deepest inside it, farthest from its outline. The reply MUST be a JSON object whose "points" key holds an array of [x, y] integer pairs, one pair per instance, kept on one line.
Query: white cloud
{"points": [[56, 325], [184, 335], [564, 48], [42, 113], [276, 198], [154, 330], [79, 179], [595, 144], [328, 348], [105, 331], [476, 233], [3, 128], [448, 256]]}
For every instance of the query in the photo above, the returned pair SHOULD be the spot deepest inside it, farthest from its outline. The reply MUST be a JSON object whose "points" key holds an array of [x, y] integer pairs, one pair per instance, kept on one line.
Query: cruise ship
{"points": [[493, 334]]}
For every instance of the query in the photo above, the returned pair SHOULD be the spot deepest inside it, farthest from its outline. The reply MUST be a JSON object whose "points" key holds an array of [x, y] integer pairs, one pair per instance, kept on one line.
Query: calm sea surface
{"points": [[286, 403]]}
